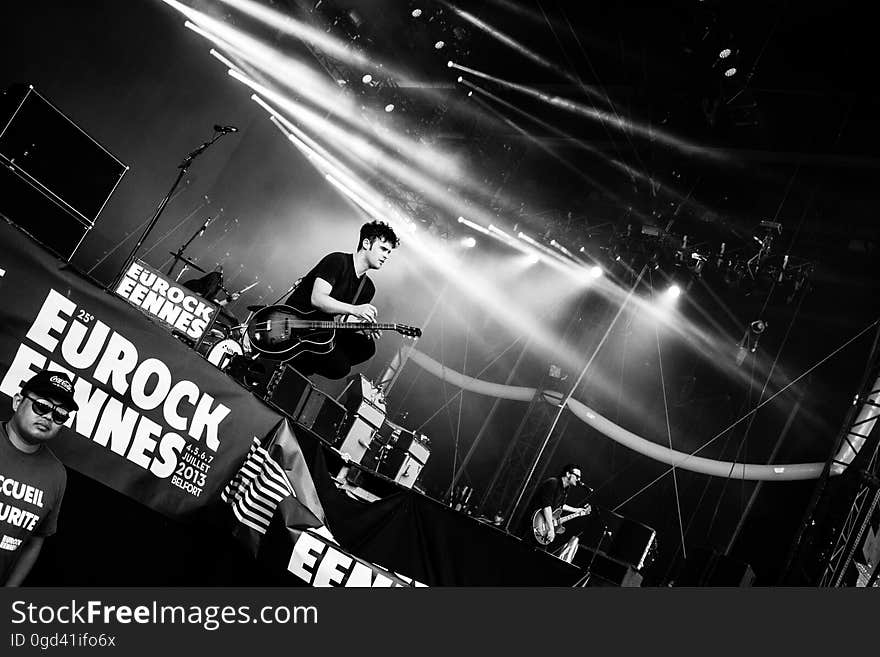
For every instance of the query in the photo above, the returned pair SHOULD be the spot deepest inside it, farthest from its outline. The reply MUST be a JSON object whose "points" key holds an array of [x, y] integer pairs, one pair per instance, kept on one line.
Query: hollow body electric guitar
{"points": [[284, 332], [539, 525]]}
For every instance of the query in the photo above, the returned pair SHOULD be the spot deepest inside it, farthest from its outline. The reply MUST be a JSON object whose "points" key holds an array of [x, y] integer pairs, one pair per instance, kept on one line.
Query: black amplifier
{"points": [[323, 415], [400, 454], [621, 538], [288, 390]]}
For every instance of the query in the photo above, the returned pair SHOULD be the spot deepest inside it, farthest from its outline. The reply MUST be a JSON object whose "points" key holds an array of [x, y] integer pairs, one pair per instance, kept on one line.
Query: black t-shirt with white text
{"points": [[31, 489]]}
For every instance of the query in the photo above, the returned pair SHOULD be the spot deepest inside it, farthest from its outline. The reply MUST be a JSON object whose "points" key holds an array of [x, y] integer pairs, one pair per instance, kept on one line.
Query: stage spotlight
{"points": [[724, 54], [416, 13], [673, 292], [532, 259], [450, 64], [460, 79], [367, 79], [470, 93], [729, 73], [468, 242], [389, 107], [439, 45], [596, 271]]}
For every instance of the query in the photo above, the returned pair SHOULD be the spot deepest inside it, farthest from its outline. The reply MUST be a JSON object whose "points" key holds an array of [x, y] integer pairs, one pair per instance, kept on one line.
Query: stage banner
{"points": [[279, 518], [156, 422], [172, 305]]}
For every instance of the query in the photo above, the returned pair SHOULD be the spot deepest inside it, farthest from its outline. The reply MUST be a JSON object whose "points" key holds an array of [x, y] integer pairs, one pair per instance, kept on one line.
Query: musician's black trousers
{"points": [[351, 349]]}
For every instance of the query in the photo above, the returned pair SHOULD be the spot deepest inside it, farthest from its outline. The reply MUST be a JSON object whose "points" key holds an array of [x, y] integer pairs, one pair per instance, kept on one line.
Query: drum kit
{"points": [[225, 345], [227, 336]]}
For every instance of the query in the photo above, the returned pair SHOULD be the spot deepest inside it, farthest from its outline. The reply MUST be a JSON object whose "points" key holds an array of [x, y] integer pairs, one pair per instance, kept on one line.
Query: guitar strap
{"points": [[360, 287]]}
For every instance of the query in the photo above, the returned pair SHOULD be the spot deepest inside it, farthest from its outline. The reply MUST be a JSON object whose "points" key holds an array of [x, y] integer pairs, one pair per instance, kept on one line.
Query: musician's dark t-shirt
{"points": [[550, 493], [338, 270]]}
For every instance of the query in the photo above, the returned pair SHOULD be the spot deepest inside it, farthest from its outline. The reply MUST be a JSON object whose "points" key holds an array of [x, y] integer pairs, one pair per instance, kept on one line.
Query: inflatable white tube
{"points": [[750, 471]]}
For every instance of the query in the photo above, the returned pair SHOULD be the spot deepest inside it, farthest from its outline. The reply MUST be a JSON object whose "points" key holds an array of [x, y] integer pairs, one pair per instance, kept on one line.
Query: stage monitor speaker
{"points": [[288, 390], [627, 541], [323, 415], [631, 542], [54, 178]]}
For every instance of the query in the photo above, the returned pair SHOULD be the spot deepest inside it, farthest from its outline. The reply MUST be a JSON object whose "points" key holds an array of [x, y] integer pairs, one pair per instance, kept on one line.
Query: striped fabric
{"points": [[256, 491]]}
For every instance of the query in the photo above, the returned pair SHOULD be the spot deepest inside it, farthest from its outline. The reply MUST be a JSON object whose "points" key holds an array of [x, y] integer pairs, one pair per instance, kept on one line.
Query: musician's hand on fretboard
{"points": [[372, 334], [365, 312]]}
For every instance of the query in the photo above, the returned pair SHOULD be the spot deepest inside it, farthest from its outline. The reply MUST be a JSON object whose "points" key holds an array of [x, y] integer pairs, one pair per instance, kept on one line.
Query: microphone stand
{"points": [[183, 166], [583, 581], [183, 248]]}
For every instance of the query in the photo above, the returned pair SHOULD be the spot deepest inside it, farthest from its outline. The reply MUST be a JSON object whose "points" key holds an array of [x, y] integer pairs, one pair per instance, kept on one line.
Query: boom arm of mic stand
{"points": [[186, 244], [183, 166]]}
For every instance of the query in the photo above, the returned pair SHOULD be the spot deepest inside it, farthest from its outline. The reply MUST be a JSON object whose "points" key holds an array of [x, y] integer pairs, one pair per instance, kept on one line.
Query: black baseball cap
{"points": [[55, 385]]}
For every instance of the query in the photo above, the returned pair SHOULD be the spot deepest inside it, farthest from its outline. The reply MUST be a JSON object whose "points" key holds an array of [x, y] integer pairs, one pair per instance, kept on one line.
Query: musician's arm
{"points": [[548, 519], [322, 300]]}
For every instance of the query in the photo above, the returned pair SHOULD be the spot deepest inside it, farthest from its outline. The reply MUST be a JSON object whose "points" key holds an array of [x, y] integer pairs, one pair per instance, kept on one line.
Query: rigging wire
{"points": [[482, 371], [755, 410], [668, 428], [467, 336]]}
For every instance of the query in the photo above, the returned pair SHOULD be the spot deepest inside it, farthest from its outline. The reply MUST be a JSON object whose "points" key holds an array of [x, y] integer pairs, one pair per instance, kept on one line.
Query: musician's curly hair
{"points": [[378, 230]]}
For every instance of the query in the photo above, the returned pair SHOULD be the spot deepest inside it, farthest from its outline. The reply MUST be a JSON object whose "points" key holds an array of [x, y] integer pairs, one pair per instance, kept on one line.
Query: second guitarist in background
{"points": [[552, 495], [339, 285]]}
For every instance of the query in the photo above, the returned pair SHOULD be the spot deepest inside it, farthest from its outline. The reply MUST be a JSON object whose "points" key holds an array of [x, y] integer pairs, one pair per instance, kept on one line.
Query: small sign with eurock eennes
{"points": [[174, 306]]}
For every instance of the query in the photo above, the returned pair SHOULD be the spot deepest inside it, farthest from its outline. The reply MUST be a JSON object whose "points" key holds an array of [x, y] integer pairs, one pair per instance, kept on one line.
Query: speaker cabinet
{"points": [[54, 178], [288, 390], [323, 415]]}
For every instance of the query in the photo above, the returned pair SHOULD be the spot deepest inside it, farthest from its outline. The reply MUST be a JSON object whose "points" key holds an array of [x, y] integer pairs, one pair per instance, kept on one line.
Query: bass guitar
{"points": [[283, 332], [539, 525]]}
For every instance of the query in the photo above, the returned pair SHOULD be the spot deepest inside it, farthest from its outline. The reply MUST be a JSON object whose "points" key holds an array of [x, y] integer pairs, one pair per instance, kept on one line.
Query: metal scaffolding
{"points": [[858, 536], [525, 451], [820, 541]]}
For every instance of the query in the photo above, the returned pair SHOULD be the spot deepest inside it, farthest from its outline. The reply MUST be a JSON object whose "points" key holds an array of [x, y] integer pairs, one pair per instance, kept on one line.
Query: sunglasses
{"points": [[42, 407]]}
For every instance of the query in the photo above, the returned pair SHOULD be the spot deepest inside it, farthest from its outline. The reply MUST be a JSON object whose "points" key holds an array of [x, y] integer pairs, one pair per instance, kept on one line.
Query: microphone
{"points": [[225, 128]]}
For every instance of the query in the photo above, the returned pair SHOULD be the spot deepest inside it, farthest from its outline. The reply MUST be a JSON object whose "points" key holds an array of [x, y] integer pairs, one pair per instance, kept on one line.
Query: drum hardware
{"points": [[221, 354], [185, 260]]}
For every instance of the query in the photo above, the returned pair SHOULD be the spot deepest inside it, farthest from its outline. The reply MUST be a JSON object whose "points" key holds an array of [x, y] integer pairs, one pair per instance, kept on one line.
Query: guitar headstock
{"points": [[409, 331]]}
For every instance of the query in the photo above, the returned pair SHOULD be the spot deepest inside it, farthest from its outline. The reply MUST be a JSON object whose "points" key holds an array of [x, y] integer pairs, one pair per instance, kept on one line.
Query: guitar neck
{"points": [[570, 516], [351, 325]]}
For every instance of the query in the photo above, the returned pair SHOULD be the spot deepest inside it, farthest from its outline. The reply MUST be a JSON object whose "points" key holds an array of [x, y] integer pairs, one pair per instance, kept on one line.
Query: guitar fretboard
{"points": [[306, 324]]}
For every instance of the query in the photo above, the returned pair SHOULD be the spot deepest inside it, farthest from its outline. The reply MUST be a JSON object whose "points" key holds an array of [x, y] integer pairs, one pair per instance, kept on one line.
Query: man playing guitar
{"points": [[551, 497], [338, 285]]}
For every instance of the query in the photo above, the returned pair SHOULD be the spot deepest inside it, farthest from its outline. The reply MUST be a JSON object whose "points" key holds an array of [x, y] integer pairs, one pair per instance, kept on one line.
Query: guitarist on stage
{"points": [[338, 285], [552, 495]]}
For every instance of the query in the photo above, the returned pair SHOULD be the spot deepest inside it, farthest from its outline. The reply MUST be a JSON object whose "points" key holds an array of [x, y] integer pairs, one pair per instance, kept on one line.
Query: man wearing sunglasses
{"points": [[32, 479], [549, 505]]}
